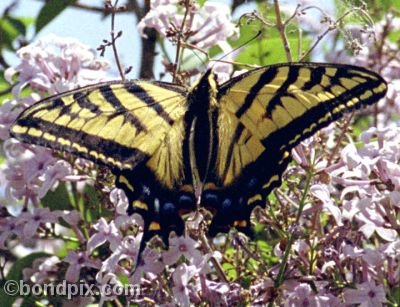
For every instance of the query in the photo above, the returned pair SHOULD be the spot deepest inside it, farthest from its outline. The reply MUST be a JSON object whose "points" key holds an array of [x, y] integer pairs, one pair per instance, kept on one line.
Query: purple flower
{"points": [[56, 64], [209, 25], [31, 170], [322, 193], [128, 249], [78, 260], [302, 295], [9, 228], [220, 293], [367, 294], [151, 263], [43, 270], [181, 278], [107, 282], [182, 246], [106, 232], [39, 216], [54, 172]]}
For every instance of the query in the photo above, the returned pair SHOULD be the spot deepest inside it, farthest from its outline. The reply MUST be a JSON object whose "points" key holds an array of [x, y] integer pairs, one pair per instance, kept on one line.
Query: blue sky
{"points": [[89, 27]]}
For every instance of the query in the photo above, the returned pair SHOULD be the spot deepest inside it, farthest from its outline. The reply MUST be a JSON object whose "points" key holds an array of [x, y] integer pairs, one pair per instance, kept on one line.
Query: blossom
{"points": [[302, 295], [39, 216], [78, 260], [322, 193], [367, 294], [181, 289], [43, 270], [182, 246], [55, 64], [220, 293], [127, 249], [9, 228], [106, 232], [150, 263], [208, 26], [119, 200]]}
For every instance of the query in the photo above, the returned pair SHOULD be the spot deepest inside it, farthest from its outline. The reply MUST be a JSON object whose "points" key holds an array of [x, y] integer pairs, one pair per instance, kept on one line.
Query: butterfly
{"points": [[221, 147]]}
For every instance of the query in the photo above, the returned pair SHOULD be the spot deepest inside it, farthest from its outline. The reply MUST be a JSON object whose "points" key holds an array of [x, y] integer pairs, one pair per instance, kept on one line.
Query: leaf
{"points": [[12, 28], [49, 11], [230, 271], [57, 199]]}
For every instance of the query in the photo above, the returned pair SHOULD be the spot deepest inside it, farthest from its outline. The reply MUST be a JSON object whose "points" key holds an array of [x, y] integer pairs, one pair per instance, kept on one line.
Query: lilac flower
{"points": [[39, 216], [54, 172], [209, 25], [151, 263], [367, 294], [302, 295], [56, 64], [128, 249], [182, 289], [23, 172], [107, 281], [43, 270], [10, 228], [322, 193], [182, 246], [119, 200], [106, 232], [219, 293], [78, 260]]}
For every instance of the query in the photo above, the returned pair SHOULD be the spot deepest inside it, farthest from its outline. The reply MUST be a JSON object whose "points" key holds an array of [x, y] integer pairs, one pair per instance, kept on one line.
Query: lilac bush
{"points": [[328, 236]]}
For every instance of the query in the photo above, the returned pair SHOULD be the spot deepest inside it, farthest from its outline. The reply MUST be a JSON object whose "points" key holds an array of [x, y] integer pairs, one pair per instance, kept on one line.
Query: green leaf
{"points": [[230, 271], [91, 205], [57, 199], [12, 28], [15, 275], [49, 11]]}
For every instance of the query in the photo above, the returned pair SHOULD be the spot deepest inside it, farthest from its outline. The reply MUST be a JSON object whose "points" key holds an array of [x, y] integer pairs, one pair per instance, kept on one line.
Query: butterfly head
{"points": [[206, 86]]}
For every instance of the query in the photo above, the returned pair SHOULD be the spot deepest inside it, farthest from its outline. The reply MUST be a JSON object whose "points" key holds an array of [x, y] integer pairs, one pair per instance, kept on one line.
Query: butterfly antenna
{"points": [[239, 47]]}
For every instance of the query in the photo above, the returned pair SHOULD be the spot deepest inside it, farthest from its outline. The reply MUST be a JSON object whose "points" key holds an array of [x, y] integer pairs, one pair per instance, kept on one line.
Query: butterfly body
{"points": [[222, 147]]}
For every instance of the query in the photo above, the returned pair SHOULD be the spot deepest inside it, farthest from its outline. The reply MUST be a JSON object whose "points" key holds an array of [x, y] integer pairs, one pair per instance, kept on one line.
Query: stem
{"points": [[303, 198], [292, 236], [113, 39], [179, 42], [339, 141], [282, 30], [214, 261]]}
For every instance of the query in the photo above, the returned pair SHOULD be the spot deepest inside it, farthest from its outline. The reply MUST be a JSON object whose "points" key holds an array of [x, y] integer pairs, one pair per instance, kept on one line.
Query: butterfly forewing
{"points": [[119, 124]]}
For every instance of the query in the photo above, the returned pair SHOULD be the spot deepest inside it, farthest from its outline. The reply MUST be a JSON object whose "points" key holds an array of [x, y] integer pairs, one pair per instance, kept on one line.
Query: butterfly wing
{"points": [[118, 124], [265, 112]]}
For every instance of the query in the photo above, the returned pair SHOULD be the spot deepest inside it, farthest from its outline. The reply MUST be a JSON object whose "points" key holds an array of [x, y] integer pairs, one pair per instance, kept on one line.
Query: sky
{"points": [[89, 27]]}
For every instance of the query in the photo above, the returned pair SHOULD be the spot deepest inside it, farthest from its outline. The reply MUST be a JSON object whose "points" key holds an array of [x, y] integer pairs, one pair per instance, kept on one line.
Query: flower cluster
{"points": [[197, 27]]}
